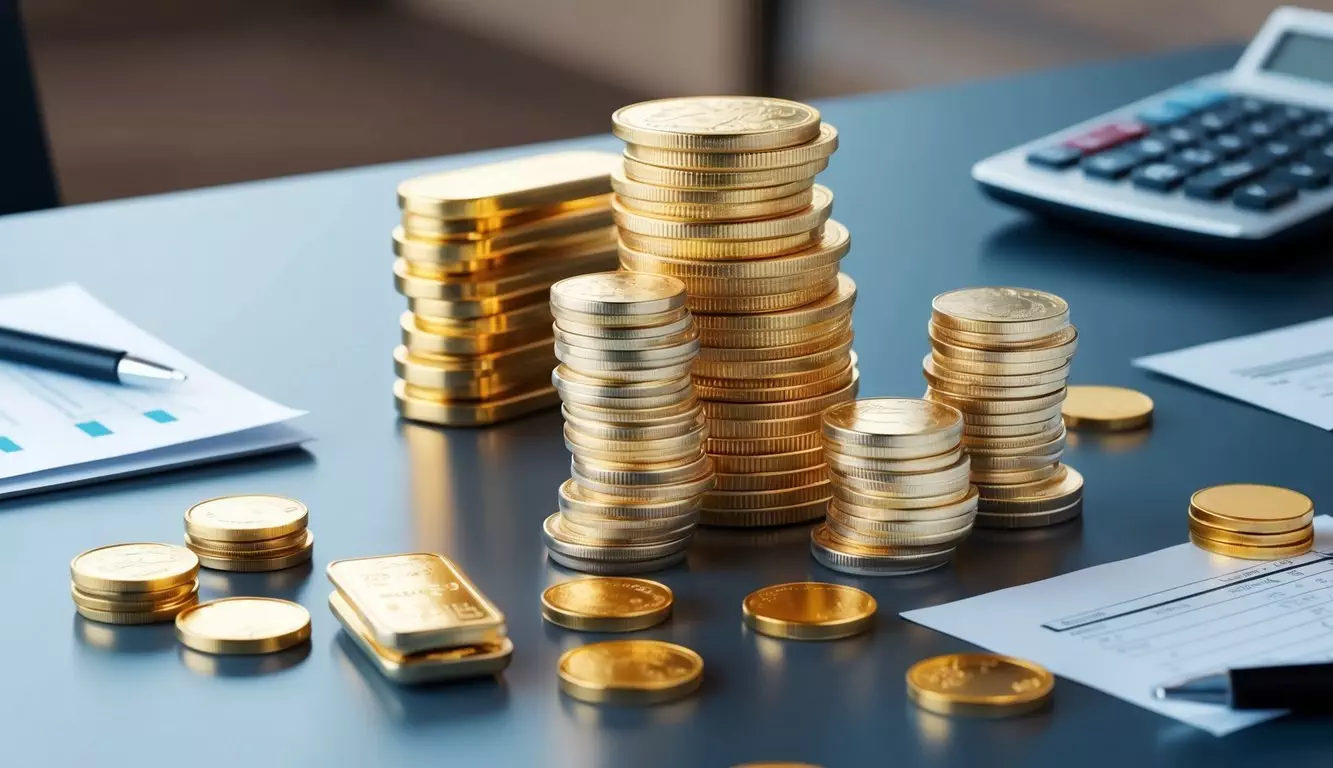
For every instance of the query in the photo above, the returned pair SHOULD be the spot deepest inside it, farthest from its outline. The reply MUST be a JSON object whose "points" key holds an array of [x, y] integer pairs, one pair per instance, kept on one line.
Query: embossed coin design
{"points": [[632, 672], [982, 684], [607, 604], [809, 610], [717, 123], [1000, 310]]}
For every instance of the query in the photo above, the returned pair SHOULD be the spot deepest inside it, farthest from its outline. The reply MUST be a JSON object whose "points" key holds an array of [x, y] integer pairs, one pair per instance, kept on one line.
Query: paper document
{"points": [[1127, 627], [57, 430], [1289, 371]]}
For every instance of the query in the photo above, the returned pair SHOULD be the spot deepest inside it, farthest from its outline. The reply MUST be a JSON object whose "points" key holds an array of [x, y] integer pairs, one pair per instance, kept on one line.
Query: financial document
{"points": [[1288, 371], [57, 430], [1127, 627]]}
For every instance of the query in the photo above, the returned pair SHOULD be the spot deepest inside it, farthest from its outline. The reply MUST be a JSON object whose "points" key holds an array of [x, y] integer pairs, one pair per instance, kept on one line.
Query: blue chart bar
{"points": [[94, 428], [160, 416], [9, 446]]}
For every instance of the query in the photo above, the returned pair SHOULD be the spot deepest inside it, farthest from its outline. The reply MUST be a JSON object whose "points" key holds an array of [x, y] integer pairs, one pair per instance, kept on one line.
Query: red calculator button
{"points": [[1108, 135]]}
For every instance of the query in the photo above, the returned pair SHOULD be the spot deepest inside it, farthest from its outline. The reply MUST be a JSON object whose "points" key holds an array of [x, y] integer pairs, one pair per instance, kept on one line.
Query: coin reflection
{"points": [[286, 584], [215, 665], [1108, 442], [143, 638], [631, 718]]}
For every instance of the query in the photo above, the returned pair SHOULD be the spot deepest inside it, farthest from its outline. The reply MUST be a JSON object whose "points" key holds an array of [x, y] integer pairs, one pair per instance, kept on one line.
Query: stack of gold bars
{"points": [[1252, 522], [719, 192], [250, 533], [134, 583], [901, 496], [1002, 357], [626, 343], [478, 251], [418, 618]]}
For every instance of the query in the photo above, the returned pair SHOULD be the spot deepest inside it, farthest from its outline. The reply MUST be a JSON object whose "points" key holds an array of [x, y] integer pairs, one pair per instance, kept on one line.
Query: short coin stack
{"points": [[418, 618], [1252, 522], [719, 192], [134, 583], [478, 250], [626, 343], [1002, 357], [251, 533], [901, 494]]}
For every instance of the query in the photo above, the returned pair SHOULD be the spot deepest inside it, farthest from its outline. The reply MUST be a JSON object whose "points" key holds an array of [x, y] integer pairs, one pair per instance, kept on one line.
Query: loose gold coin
{"points": [[809, 610], [529, 182], [632, 672], [1113, 409], [670, 177], [717, 123], [1247, 508], [720, 250], [618, 293], [983, 684], [805, 220], [1252, 553], [892, 422], [243, 626], [139, 567], [819, 149], [1249, 539], [254, 517], [1000, 310], [607, 604]]}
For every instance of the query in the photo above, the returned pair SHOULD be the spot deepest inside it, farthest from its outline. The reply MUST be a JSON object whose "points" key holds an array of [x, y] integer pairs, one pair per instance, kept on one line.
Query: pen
{"points": [[1298, 686], [78, 359]]}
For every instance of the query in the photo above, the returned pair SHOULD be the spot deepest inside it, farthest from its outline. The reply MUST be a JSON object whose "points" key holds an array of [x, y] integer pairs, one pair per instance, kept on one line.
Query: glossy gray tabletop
{"points": [[286, 287]]}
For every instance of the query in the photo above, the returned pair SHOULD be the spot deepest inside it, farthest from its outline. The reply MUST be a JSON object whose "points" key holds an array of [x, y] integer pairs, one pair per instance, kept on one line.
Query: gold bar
{"points": [[417, 602], [554, 232], [420, 281], [490, 190]]}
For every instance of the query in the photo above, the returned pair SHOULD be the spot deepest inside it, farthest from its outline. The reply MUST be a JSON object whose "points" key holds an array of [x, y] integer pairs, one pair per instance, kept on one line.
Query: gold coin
{"points": [[589, 357], [246, 518], [670, 177], [1252, 553], [717, 123], [750, 429], [819, 149], [753, 291], [749, 346], [1021, 520], [984, 684], [937, 370], [997, 369], [860, 560], [1038, 488], [594, 533], [154, 616], [762, 446], [869, 468], [1247, 508], [867, 537], [1007, 463], [1000, 310], [926, 525], [892, 422], [1044, 496], [1019, 419], [666, 473], [763, 518], [1249, 539], [640, 447], [989, 444], [783, 497], [832, 540], [683, 409], [955, 389], [259, 563], [241, 548], [573, 498], [617, 326], [720, 250], [988, 450], [1013, 476], [834, 305], [613, 493], [789, 409], [833, 245], [995, 405], [633, 672], [872, 493], [133, 602], [777, 462], [672, 335], [243, 626], [572, 382], [771, 481], [478, 308], [847, 498], [809, 610], [471, 413], [760, 373], [1114, 409], [561, 540], [723, 385], [138, 567], [420, 224], [759, 209], [820, 384], [618, 293], [607, 604], [980, 433], [160, 597], [997, 341], [805, 220], [530, 182], [1063, 347], [423, 342], [919, 450], [636, 192]]}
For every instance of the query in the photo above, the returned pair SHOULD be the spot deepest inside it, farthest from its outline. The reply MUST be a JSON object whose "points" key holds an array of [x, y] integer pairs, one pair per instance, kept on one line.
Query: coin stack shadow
{"points": [[131, 601], [478, 249], [901, 495], [734, 213], [1002, 357], [626, 343]]}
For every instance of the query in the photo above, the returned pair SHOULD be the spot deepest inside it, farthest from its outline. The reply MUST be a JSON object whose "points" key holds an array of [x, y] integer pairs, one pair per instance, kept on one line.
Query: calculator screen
{"points": [[1301, 55]]}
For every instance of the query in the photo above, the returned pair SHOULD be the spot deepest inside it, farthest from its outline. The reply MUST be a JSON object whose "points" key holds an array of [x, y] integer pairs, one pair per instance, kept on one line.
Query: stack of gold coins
{"points": [[134, 583], [901, 495], [249, 533], [1252, 522], [478, 250], [719, 192], [1002, 357], [626, 343], [418, 618]]}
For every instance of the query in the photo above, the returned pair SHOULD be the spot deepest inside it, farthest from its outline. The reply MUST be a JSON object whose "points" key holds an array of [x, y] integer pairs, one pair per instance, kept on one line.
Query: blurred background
{"points": [[145, 96]]}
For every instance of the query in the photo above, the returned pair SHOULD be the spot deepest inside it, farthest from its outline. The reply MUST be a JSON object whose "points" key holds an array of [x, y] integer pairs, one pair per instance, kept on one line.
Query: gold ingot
{"points": [[1064, 344], [246, 518], [768, 177], [1252, 553], [540, 181], [637, 192], [243, 626], [1114, 409], [835, 241], [478, 308], [1250, 508], [418, 224], [522, 275], [980, 684], [551, 237], [420, 341], [720, 250], [809, 610], [523, 318], [832, 306], [134, 568], [629, 672], [1000, 311], [471, 413], [735, 305], [805, 220], [517, 366], [820, 148], [717, 123], [607, 604], [759, 209]]}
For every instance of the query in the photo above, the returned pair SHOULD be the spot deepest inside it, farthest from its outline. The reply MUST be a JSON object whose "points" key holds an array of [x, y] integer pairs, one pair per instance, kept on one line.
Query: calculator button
{"points": [[1113, 164], [1218, 183], [1312, 132], [1264, 195], [1107, 136], [1217, 120], [1183, 136], [1321, 156], [1162, 114], [1303, 175], [1278, 149], [1293, 114], [1058, 156], [1159, 177], [1152, 147], [1196, 158], [1261, 130], [1228, 145]]}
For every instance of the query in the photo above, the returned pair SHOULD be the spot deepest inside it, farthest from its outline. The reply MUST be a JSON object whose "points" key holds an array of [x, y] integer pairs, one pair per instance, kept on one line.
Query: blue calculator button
{"points": [[1057, 157], [1265, 195], [1194, 98], [1163, 114]]}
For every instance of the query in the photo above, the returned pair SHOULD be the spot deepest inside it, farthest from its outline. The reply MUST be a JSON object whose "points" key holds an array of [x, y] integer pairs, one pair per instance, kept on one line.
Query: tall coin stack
{"points": [[719, 192], [478, 250], [626, 343], [901, 496], [1002, 357]]}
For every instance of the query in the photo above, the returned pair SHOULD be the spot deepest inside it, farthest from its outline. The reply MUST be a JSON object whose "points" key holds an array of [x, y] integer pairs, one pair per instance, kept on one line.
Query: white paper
{"points": [[57, 429], [1288, 371], [1127, 627]]}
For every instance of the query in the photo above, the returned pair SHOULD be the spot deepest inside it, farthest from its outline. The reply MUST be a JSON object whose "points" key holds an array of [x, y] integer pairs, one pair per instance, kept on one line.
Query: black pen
{"points": [[1305, 687], [78, 359]]}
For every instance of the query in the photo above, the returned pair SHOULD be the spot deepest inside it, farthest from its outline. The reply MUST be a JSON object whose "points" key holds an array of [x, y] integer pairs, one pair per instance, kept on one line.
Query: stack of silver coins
{"points": [[626, 344]]}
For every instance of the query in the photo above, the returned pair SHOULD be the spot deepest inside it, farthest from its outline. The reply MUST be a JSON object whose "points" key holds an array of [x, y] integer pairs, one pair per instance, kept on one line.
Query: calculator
{"points": [[1236, 160]]}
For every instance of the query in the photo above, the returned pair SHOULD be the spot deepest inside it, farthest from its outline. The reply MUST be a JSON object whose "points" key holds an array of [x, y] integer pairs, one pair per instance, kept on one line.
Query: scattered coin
{"points": [[1113, 409], [243, 626], [607, 604], [809, 610], [982, 684], [630, 672]]}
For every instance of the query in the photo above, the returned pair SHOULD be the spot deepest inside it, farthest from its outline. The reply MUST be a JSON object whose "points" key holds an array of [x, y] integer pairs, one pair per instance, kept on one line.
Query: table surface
{"points": [[285, 286]]}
